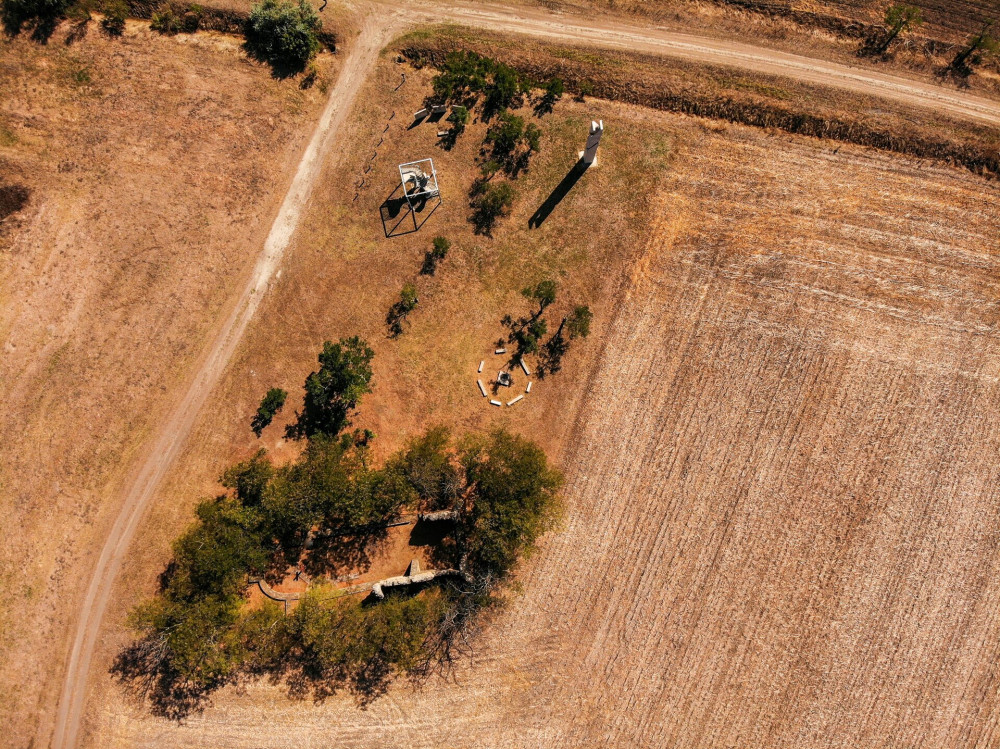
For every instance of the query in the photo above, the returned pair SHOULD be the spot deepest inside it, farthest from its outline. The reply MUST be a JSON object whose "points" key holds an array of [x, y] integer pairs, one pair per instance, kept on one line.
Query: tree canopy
{"points": [[333, 391], [283, 34]]}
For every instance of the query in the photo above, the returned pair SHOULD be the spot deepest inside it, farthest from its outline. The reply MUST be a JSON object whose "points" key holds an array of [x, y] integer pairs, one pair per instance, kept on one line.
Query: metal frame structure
{"points": [[424, 183]]}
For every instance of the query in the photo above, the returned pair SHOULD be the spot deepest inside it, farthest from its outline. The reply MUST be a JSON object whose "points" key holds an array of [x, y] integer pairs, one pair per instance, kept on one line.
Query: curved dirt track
{"points": [[171, 436], [378, 30], [714, 51]]}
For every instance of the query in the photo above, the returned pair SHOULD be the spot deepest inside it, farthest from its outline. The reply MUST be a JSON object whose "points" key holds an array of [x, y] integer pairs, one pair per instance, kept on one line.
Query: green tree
{"points": [[978, 45], [429, 467], [515, 500], [213, 556], [271, 404], [283, 34], [543, 293], [551, 93], [250, 479], [503, 90], [333, 391], [513, 142], [578, 323], [899, 17], [490, 203]]}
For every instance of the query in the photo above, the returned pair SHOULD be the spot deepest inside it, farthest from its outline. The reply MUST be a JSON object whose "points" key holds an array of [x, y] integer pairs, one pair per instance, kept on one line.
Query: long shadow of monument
{"points": [[556, 196], [395, 209]]}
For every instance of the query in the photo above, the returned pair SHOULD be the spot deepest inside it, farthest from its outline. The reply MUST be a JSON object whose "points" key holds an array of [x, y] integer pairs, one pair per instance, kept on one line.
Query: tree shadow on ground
{"points": [[13, 199], [140, 669], [339, 552]]}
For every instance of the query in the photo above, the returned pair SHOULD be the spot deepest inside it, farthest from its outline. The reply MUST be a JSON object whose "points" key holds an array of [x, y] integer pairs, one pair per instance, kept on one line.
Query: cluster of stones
{"points": [[504, 379]]}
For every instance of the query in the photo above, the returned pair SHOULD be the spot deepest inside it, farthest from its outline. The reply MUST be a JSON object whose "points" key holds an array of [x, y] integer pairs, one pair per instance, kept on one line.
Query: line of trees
{"points": [[198, 632], [466, 80], [903, 18]]}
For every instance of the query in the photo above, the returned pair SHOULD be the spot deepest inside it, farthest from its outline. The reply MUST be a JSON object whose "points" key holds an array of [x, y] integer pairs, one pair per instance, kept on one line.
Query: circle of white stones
{"points": [[515, 399]]}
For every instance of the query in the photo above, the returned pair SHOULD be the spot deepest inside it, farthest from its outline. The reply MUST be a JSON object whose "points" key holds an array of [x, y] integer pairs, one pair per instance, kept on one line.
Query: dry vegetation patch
{"points": [[152, 167]]}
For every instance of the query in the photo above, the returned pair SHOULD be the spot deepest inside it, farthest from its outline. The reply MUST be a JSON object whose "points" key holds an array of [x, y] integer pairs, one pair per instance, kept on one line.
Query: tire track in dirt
{"points": [[612, 34], [171, 436]]}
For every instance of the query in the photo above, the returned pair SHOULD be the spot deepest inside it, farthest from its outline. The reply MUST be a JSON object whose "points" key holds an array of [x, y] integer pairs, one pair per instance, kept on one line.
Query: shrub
{"points": [[491, 203], [401, 309], [270, 405], [283, 34], [115, 12], [165, 21], [551, 93], [437, 253]]}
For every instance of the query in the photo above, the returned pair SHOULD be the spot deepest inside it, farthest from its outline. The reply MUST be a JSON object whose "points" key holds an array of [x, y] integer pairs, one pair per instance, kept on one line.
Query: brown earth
{"points": [[781, 526], [302, 318], [153, 167]]}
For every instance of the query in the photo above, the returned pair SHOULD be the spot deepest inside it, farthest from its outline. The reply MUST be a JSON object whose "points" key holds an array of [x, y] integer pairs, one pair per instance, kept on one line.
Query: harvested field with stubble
{"points": [[782, 462]]}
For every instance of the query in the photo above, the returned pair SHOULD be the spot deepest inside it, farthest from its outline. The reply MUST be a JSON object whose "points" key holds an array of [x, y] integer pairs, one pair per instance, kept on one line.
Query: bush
{"points": [[551, 93], [42, 15], [437, 253], [401, 309], [283, 35], [165, 21], [270, 405], [115, 12], [465, 76], [490, 203]]}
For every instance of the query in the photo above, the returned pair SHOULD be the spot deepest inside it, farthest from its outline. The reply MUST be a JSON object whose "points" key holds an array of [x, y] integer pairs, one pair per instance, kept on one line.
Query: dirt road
{"points": [[378, 30], [653, 40], [171, 436]]}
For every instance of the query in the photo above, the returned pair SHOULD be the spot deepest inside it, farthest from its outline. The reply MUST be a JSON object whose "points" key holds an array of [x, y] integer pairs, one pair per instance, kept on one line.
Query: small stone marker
{"points": [[528, 389], [481, 365], [419, 115], [500, 351], [503, 378], [514, 400], [496, 403], [589, 154], [440, 109], [481, 388], [442, 133], [525, 368]]}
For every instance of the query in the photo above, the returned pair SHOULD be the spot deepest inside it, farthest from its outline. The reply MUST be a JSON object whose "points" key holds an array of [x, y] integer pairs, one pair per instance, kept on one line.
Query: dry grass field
{"points": [[781, 457], [154, 166]]}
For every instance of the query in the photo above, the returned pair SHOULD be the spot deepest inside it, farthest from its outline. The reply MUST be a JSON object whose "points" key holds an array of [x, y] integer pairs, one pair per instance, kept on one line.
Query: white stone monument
{"points": [[589, 154]]}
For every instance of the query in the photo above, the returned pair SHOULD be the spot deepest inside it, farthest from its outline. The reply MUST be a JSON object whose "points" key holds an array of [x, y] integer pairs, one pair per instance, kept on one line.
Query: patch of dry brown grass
{"points": [[152, 181]]}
